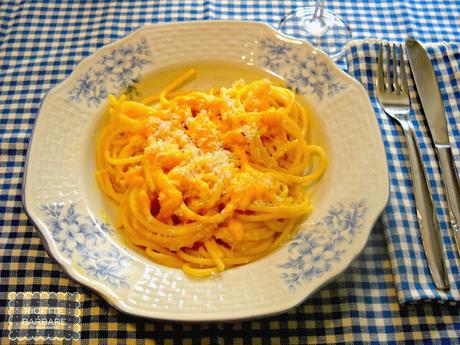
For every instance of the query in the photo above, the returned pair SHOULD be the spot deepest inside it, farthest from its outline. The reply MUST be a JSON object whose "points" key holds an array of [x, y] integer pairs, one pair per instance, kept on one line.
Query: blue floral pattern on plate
{"points": [[117, 70], [313, 251], [85, 239], [304, 74]]}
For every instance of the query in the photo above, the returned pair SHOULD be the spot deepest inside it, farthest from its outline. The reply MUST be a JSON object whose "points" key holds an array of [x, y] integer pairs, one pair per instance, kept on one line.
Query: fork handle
{"points": [[426, 213]]}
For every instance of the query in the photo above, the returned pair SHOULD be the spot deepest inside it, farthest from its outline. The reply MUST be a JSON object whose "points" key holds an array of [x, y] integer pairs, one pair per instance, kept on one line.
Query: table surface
{"points": [[40, 44]]}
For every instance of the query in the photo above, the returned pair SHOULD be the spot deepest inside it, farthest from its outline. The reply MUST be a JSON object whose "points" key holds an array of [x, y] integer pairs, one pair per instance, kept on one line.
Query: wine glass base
{"points": [[327, 32]]}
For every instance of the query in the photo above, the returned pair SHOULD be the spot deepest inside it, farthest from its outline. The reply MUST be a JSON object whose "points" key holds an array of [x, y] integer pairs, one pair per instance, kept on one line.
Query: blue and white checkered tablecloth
{"points": [[40, 44]]}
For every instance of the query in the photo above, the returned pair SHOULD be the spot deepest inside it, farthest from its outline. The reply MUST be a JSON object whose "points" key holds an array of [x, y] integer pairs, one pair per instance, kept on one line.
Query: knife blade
{"points": [[430, 96]]}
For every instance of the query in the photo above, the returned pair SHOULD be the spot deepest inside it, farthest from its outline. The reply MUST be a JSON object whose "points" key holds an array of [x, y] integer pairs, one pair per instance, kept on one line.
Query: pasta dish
{"points": [[208, 180]]}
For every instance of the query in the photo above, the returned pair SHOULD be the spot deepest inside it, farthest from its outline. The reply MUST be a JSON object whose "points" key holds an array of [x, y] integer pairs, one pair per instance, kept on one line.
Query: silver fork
{"points": [[393, 96]]}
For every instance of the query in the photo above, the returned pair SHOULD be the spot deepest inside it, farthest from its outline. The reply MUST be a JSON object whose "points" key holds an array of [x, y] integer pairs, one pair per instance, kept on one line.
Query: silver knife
{"points": [[433, 108]]}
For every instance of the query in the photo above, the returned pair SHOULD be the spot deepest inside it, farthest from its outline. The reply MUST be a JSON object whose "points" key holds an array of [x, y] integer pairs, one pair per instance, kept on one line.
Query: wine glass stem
{"points": [[316, 24], [319, 7]]}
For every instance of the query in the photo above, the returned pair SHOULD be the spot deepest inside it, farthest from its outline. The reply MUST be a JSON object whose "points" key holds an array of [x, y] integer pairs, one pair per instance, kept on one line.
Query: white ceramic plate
{"points": [[62, 198]]}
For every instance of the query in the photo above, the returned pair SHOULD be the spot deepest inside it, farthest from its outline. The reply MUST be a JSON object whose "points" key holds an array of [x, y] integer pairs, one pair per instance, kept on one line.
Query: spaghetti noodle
{"points": [[208, 180]]}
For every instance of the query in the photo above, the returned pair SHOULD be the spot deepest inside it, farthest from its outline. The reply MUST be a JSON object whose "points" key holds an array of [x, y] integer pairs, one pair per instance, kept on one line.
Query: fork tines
{"points": [[387, 78]]}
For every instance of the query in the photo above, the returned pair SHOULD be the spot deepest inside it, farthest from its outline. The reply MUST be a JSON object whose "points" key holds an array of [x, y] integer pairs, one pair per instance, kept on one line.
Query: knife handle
{"points": [[452, 187], [426, 214]]}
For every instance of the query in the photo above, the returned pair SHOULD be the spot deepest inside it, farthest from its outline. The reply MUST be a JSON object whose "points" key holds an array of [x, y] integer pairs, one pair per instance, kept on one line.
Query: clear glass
{"points": [[319, 26]]}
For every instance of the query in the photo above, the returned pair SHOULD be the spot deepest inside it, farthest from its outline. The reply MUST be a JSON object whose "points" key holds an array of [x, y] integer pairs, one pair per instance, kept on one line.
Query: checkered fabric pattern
{"points": [[40, 44]]}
